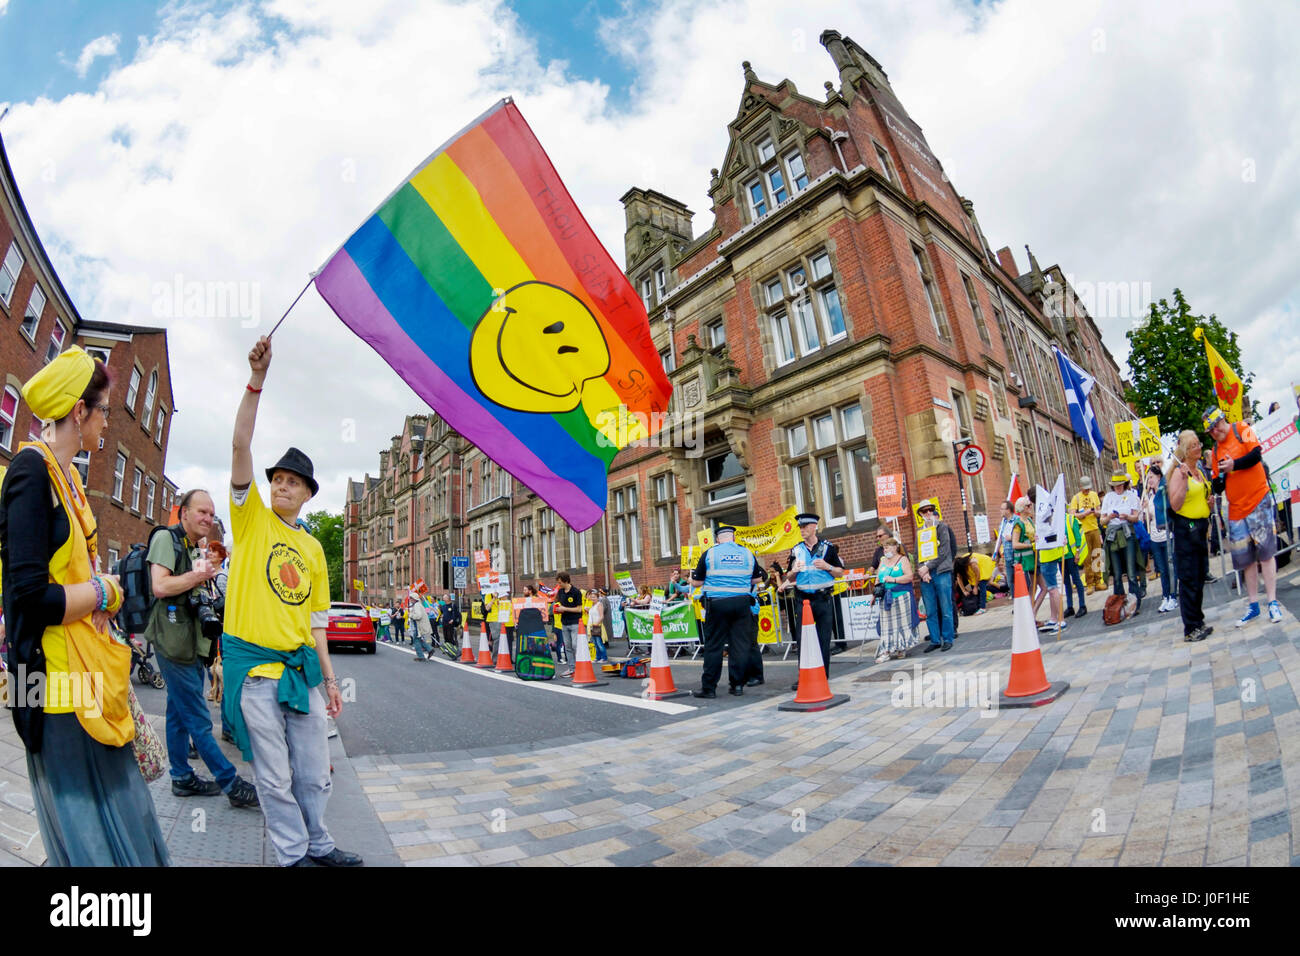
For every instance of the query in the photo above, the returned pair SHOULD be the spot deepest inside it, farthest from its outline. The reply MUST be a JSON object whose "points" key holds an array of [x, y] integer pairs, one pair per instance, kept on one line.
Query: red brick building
{"points": [[125, 480], [843, 318]]}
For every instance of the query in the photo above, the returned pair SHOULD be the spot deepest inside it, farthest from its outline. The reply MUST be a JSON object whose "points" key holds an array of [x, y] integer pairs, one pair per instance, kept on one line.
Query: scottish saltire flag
{"points": [[479, 281], [1078, 384]]}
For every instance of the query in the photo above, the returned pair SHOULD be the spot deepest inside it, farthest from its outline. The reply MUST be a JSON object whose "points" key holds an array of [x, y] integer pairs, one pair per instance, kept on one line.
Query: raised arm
{"points": [[241, 465]]}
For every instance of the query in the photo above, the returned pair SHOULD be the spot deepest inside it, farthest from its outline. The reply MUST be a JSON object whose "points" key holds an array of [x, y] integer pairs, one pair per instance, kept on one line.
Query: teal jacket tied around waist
{"points": [[301, 673]]}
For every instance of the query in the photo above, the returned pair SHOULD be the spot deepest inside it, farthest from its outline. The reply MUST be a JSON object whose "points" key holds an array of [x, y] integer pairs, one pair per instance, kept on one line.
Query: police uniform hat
{"points": [[807, 517], [724, 529]]}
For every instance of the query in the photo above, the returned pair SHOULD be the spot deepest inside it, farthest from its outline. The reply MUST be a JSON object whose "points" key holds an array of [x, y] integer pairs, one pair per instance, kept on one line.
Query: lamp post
{"points": [[957, 446]]}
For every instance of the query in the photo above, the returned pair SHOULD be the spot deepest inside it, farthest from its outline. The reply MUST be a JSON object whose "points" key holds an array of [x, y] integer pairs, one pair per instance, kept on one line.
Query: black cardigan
{"points": [[33, 526]]}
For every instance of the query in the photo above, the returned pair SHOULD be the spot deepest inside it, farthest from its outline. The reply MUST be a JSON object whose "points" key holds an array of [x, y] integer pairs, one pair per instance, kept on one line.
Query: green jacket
{"points": [[301, 673]]}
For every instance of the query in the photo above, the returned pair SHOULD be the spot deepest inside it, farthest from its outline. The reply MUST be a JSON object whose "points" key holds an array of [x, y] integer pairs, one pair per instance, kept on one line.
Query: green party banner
{"points": [[678, 622]]}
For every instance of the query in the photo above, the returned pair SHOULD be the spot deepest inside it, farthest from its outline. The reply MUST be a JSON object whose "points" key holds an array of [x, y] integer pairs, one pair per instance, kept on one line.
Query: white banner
{"points": [[1050, 514], [982, 529]]}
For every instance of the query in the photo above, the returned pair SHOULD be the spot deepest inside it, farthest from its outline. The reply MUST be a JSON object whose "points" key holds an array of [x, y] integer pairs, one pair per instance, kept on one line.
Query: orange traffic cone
{"points": [[584, 675], [814, 691], [660, 686], [1028, 685], [484, 648], [466, 648], [504, 664]]}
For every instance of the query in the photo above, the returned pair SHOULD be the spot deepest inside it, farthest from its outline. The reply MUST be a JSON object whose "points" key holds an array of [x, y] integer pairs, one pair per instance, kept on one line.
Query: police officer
{"points": [[815, 566], [725, 573]]}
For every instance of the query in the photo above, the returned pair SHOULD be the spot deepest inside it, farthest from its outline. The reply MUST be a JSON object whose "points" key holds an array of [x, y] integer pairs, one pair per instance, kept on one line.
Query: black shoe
{"points": [[946, 647], [1207, 629], [195, 786], [336, 857], [736, 690], [1081, 612], [227, 736], [704, 694], [1069, 612], [242, 794], [753, 682], [305, 861], [930, 647]]}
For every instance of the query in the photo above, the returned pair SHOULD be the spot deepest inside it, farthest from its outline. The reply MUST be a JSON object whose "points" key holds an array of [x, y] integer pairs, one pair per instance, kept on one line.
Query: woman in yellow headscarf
{"points": [[73, 715]]}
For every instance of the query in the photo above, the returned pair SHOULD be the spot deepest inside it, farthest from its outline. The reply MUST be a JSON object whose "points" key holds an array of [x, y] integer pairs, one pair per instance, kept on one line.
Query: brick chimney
{"points": [[1008, 262]]}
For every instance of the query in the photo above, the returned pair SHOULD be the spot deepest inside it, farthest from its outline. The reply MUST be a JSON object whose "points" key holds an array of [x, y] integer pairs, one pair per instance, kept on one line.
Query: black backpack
{"points": [[137, 586]]}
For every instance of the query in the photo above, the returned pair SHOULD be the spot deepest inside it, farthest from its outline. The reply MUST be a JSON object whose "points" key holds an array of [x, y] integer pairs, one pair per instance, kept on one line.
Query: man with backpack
{"points": [[175, 626], [1238, 470]]}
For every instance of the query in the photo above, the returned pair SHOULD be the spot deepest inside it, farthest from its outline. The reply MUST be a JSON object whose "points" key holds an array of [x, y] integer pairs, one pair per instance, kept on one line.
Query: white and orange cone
{"points": [[814, 691], [584, 674], [484, 648], [660, 686], [1028, 685], [504, 664], [466, 647]]}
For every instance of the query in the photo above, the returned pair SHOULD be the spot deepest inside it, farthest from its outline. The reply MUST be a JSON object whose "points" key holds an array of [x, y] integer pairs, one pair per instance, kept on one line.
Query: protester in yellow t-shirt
{"points": [[1085, 506], [274, 652]]}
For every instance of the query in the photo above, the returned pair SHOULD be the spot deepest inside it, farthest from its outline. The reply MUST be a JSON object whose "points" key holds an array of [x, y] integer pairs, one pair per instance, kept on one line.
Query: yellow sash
{"points": [[99, 668]]}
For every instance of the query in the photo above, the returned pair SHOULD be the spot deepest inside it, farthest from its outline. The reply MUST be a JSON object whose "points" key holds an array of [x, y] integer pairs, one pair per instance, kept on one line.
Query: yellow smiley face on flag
{"points": [[535, 347]]}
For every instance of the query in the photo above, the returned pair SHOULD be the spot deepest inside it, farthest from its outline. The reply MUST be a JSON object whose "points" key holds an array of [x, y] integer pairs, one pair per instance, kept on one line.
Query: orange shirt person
{"points": [[1237, 468]]}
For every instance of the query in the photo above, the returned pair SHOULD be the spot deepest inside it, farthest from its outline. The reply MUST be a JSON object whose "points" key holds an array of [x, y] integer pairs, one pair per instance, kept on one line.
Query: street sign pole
{"points": [[961, 487]]}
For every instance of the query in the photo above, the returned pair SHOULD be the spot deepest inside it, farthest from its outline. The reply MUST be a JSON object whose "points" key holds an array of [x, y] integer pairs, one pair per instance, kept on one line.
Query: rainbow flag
{"points": [[479, 281]]}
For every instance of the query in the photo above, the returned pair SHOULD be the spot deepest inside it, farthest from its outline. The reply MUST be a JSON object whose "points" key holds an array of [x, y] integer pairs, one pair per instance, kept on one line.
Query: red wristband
{"points": [[251, 389]]}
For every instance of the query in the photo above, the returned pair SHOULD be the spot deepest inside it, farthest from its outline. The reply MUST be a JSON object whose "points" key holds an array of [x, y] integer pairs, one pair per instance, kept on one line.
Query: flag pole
{"points": [[310, 279]]}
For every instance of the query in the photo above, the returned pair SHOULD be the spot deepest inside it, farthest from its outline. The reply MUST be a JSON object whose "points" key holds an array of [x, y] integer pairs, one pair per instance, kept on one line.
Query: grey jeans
{"points": [[570, 632], [292, 762]]}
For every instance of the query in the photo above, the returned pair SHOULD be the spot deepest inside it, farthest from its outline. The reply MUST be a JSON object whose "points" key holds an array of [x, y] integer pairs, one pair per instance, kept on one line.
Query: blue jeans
{"points": [[1160, 552], [937, 594], [1072, 576], [422, 647], [188, 718], [1123, 563], [601, 654]]}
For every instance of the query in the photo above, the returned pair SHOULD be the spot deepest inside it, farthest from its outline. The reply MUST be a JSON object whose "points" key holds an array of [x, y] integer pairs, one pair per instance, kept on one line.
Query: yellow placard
{"points": [[690, 556], [705, 538], [927, 541], [476, 610], [916, 514], [1136, 439], [357, 585], [769, 627]]}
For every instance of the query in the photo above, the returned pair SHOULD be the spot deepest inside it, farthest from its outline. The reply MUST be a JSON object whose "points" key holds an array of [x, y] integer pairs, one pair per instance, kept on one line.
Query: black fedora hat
{"points": [[295, 461]]}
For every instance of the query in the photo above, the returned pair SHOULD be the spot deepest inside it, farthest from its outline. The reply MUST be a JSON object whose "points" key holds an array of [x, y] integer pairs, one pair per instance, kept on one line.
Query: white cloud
{"points": [[100, 46], [224, 154]]}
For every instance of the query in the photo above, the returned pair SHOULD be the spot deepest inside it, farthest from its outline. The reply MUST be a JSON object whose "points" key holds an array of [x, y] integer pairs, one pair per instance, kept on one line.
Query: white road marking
{"points": [[659, 706]]}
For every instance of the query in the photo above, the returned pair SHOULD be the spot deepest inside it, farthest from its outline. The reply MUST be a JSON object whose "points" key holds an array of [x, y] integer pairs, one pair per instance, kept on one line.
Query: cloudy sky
{"points": [[243, 142]]}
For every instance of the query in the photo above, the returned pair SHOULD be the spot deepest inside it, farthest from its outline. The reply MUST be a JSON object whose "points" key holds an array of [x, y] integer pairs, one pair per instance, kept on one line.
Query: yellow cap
{"points": [[52, 391]]}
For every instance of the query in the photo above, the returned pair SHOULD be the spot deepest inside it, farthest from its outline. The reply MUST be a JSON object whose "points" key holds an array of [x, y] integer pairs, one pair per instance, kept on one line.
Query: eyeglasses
{"points": [[105, 408]]}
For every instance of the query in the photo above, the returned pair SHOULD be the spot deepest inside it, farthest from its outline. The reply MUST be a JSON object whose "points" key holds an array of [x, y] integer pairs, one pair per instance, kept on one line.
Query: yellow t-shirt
{"points": [[1084, 501], [1196, 504], [278, 577]]}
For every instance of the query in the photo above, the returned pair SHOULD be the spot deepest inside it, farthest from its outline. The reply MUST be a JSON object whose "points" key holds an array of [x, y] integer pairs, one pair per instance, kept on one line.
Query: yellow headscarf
{"points": [[52, 391]]}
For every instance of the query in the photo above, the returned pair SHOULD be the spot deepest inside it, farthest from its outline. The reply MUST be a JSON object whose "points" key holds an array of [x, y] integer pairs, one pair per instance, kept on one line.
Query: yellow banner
{"points": [[1139, 438], [769, 628], [771, 537], [1227, 385]]}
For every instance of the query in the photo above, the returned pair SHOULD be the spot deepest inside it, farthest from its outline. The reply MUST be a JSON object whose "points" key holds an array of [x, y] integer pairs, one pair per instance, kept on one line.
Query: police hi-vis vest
{"points": [[728, 570], [810, 578]]}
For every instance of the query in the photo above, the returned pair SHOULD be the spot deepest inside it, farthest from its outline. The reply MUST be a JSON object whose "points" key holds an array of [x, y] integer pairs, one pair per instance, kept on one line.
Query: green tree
{"points": [[1169, 374], [327, 528]]}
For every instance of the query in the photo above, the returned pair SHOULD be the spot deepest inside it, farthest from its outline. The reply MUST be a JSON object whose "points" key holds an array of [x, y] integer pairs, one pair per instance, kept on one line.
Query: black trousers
{"points": [[754, 668], [823, 614], [727, 624], [1192, 565]]}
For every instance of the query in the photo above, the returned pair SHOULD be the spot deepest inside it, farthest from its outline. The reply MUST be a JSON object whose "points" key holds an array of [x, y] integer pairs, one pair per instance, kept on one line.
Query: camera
{"points": [[204, 606]]}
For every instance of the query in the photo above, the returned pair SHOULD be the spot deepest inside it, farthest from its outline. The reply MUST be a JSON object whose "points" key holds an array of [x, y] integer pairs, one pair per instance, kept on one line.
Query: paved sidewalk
{"points": [[200, 831], [1161, 752]]}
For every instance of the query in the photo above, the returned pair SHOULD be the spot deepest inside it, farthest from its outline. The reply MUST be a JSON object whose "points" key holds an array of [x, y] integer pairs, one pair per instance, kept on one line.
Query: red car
{"points": [[350, 624]]}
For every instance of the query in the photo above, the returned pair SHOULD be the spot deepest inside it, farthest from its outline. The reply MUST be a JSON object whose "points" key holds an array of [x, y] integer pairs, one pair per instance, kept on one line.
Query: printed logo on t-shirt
{"points": [[288, 574]]}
